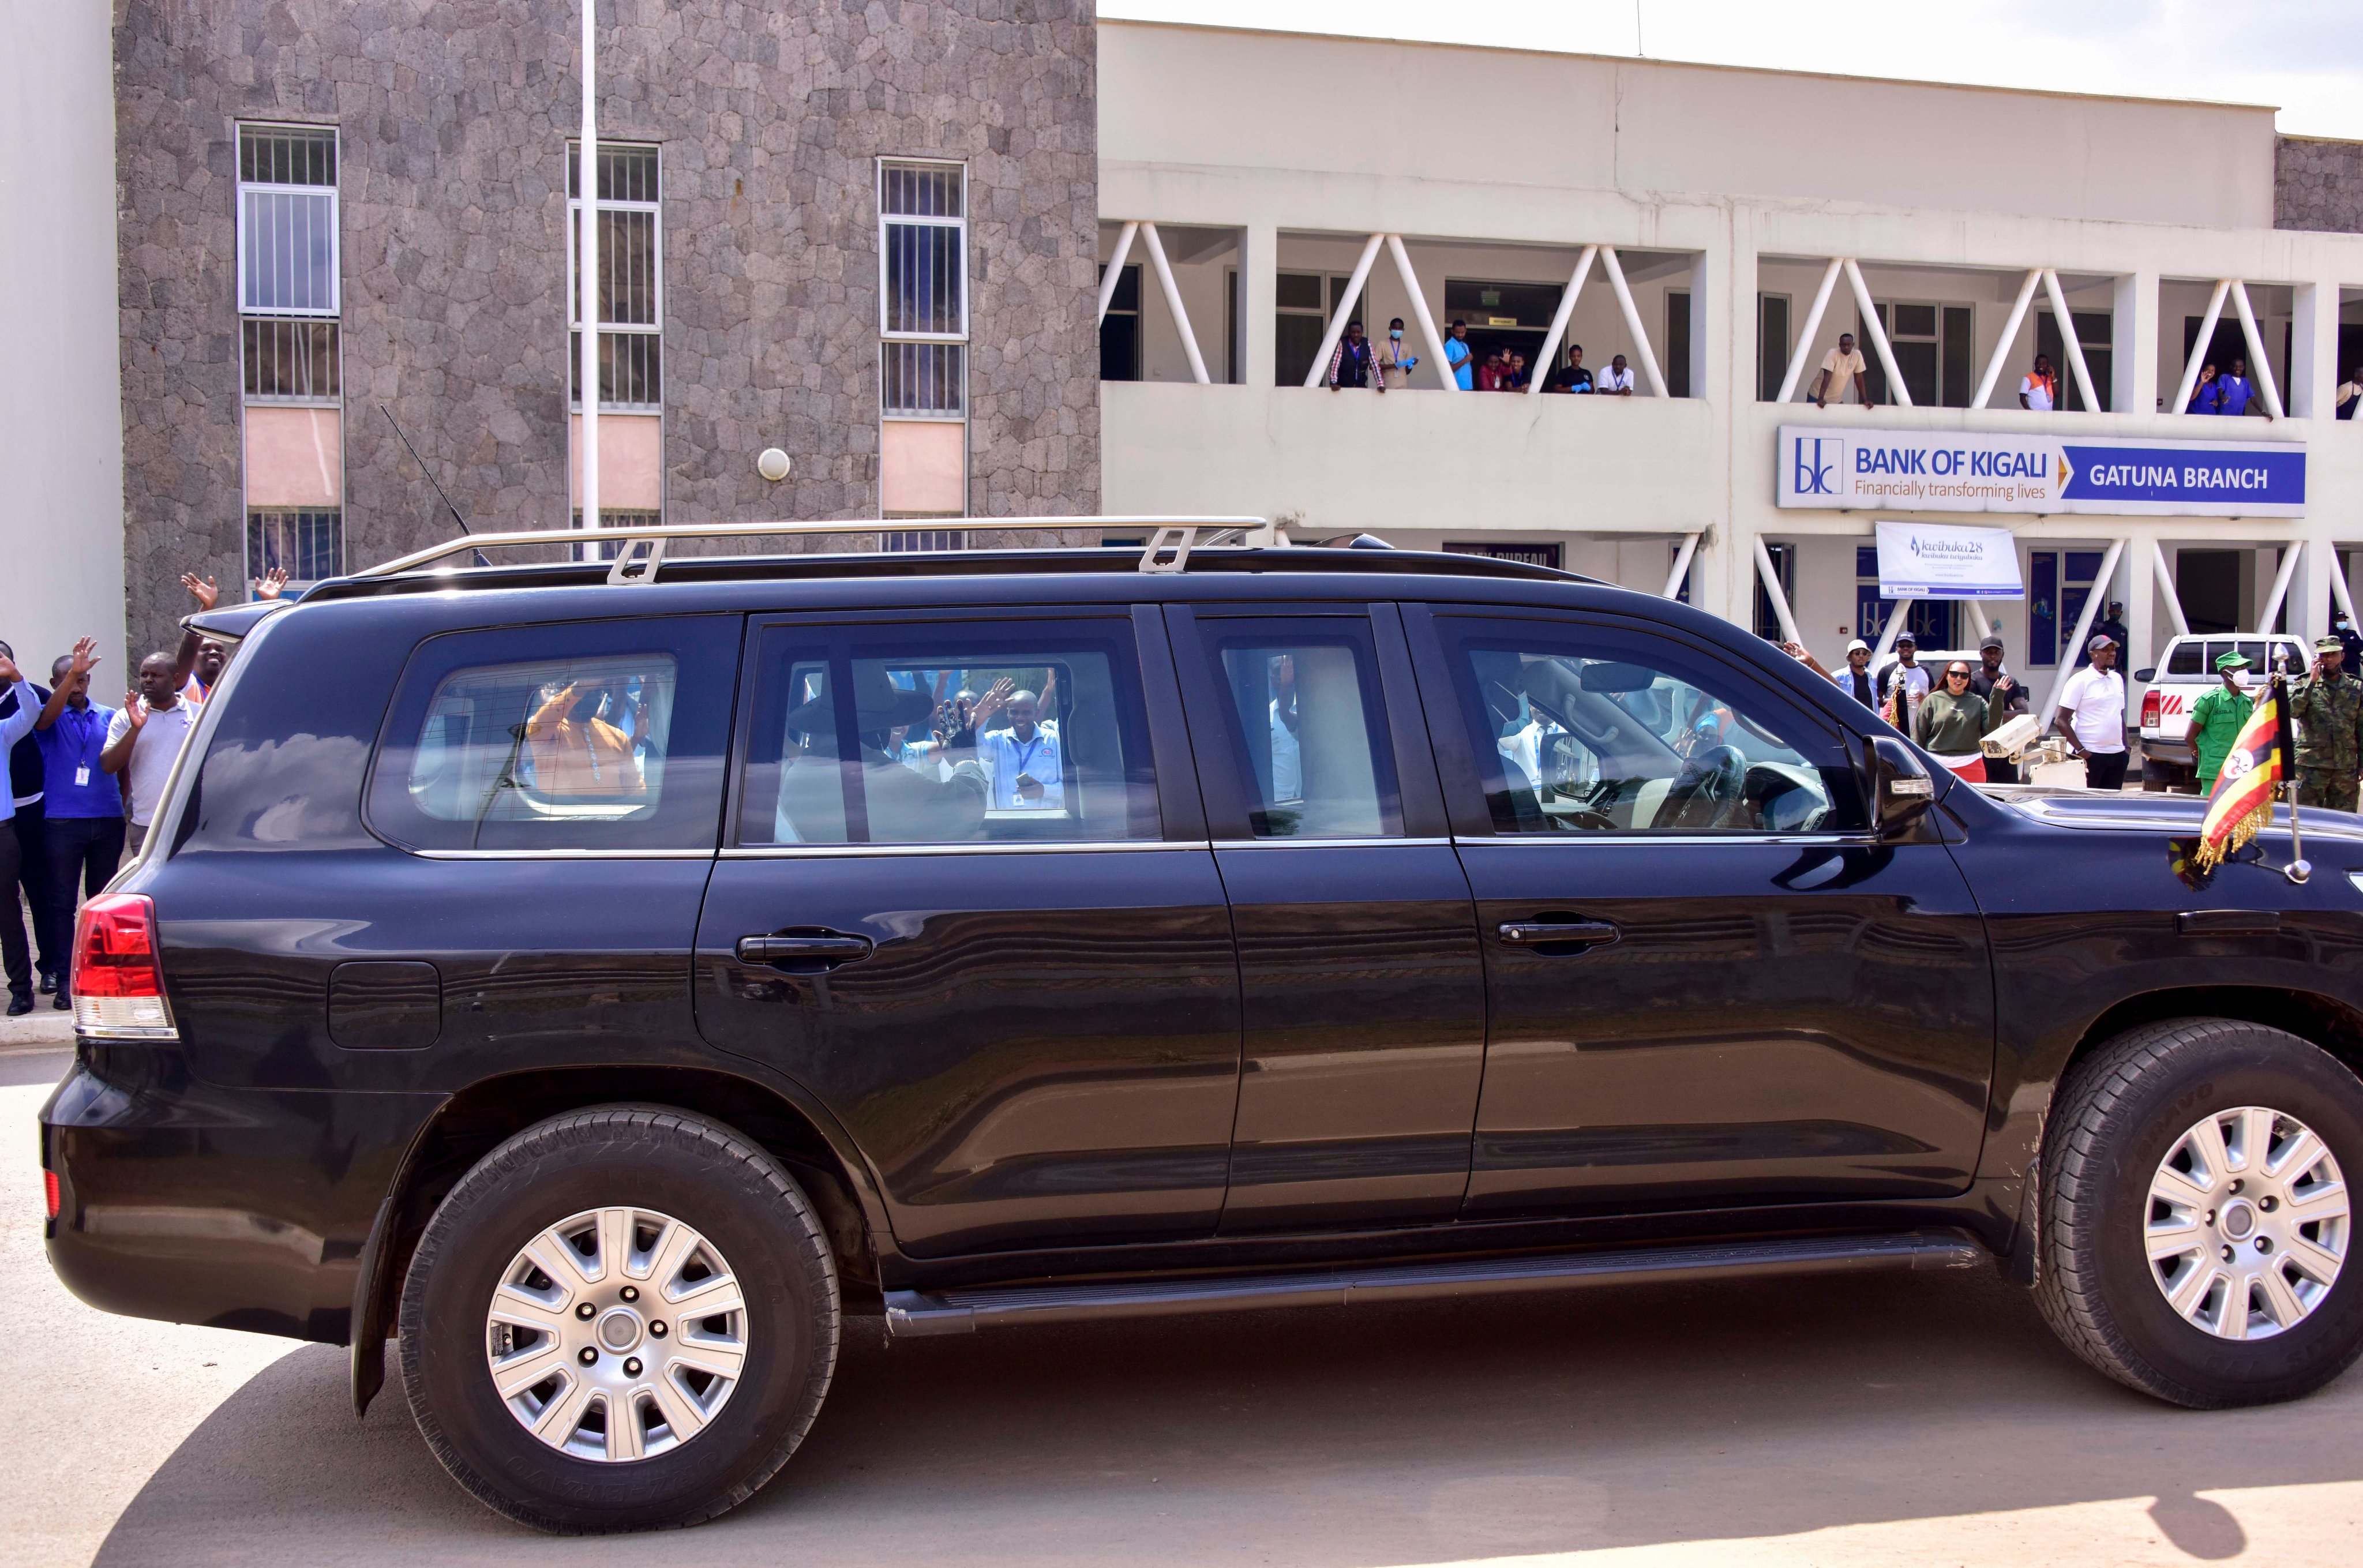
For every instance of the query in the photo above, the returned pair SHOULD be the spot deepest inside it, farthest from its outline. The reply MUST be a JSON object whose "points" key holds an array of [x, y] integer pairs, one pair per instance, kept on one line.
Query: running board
{"points": [[912, 1312]]}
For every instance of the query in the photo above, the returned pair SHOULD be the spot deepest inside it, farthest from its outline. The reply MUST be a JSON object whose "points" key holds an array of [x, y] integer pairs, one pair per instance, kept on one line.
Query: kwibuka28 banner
{"points": [[1953, 471]]}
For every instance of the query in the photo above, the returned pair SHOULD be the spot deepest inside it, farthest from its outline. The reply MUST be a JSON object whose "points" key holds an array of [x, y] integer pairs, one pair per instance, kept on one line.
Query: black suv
{"points": [[601, 978]]}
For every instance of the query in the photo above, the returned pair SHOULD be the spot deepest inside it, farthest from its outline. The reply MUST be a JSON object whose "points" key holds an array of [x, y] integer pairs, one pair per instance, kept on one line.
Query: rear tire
{"points": [[652, 1421], [2194, 1276]]}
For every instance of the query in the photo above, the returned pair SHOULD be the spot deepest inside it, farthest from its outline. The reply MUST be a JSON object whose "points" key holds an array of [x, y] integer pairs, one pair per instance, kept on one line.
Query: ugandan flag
{"points": [[2242, 805]]}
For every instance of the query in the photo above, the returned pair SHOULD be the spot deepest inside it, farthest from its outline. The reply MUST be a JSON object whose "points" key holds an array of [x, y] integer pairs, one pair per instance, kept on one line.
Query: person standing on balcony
{"points": [[1841, 367], [1618, 381], [1573, 377], [1517, 381], [1392, 360], [1459, 356], [1489, 374], [2236, 391], [1355, 362], [2038, 389], [2206, 397]]}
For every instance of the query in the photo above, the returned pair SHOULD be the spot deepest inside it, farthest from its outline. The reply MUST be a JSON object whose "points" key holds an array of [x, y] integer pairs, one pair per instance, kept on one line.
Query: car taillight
{"points": [[49, 1191], [118, 978], [2149, 710]]}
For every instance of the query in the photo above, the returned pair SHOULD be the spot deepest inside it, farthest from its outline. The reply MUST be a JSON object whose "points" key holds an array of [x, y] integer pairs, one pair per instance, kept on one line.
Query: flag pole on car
{"points": [[2254, 775]]}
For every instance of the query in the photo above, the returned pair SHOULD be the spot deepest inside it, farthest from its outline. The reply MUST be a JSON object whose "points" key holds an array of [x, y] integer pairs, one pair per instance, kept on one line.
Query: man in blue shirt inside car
{"points": [[1022, 761]]}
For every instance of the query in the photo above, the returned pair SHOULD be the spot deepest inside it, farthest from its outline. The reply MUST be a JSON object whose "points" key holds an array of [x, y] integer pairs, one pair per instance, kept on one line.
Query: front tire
{"points": [[621, 1318], [2196, 1226]]}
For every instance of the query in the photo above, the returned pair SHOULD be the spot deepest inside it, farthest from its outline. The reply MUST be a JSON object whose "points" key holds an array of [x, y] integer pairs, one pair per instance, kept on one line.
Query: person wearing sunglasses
{"points": [[1953, 719]]}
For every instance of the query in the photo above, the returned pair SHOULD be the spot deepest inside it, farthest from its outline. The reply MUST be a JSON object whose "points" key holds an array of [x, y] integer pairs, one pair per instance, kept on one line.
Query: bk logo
{"points": [[1815, 471]]}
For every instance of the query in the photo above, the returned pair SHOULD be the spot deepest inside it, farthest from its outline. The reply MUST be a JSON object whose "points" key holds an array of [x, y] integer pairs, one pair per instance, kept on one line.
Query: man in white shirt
{"points": [[1840, 366], [144, 739], [2092, 716], [1907, 683], [1022, 766], [1617, 380], [2040, 388]]}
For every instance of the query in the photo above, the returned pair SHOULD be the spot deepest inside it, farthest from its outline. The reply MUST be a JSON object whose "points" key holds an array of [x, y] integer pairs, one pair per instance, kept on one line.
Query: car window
{"points": [[1307, 726], [948, 734], [1583, 732], [561, 738], [2187, 659]]}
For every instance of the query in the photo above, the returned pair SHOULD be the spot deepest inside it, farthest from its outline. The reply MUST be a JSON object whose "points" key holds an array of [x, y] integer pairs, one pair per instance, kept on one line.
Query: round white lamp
{"points": [[772, 464]]}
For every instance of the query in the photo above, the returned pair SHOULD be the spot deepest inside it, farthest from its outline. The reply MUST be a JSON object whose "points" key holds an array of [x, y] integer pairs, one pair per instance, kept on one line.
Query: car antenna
{"points": [[430, 479]]}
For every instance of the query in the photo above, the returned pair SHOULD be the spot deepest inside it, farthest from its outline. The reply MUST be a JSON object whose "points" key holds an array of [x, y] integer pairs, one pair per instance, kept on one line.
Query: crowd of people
{"points": [[1357, 361], [84, 783]]}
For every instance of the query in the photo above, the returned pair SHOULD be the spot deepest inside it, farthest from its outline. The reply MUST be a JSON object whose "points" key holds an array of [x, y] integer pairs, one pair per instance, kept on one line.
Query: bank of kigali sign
{"points": [[1936, 470]]}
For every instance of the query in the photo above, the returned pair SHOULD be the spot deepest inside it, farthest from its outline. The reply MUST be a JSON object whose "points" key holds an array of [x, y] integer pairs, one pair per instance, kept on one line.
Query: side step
{"points": [[913, 1312]]}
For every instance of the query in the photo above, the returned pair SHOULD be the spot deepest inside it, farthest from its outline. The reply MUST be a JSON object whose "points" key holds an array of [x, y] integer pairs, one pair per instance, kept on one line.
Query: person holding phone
{"points": [[1021, 757]]}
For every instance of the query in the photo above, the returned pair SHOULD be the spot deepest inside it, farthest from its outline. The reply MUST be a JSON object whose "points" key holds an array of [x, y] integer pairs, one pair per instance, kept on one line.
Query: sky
{"points": [[2305, 57]]}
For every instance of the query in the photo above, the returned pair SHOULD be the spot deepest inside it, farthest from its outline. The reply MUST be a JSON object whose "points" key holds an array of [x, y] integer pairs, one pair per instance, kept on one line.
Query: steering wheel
{"points": [[1710, 783]]}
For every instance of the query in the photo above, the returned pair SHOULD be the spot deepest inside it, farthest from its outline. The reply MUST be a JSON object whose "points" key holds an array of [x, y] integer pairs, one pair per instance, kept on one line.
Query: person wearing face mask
{"points": [[1392, 360], [2217, 718]]}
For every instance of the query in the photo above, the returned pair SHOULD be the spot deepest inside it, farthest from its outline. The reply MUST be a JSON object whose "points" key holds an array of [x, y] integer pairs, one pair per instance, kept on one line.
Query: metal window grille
{"points": [[611, 517], [904, 539], [287, 260], [923, 289], [631, 278], [291, 362], [307, 546]]}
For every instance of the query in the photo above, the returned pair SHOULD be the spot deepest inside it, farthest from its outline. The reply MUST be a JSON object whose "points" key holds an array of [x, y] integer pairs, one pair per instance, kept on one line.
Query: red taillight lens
{"points": [[49, 1191], [2149, 710], [118, 982]]}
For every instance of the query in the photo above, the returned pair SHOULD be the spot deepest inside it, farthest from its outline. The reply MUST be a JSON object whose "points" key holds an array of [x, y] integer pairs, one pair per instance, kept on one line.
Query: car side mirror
{"points": [[2148, 674], [1901, 789]]}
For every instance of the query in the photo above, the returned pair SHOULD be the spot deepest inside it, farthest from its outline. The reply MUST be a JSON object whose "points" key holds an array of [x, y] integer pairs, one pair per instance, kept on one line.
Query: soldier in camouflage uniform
{"points": [[2328, 707]]}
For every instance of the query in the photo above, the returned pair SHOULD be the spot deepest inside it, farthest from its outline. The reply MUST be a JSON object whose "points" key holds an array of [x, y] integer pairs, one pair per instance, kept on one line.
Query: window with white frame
{"points": [[923, 289], [631, 277], [290, 349]]}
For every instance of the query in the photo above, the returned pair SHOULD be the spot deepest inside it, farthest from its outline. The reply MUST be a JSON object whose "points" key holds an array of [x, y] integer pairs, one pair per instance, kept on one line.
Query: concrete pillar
{"points": [[2314, 351], [2143, 623], [2310, 592], [2134, 337], [1258, 285]]}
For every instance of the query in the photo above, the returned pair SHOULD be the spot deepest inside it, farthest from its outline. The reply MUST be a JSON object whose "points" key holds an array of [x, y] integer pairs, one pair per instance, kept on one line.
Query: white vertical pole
{"points": [[2101, 580], [2199, 347], [1893, 629], [1878, 334], [587, 263], [1799, 355], [1419, 308], [2338, 589], [2263, 366], [1173, 301], [1115, 268], [1978, 619], [1778, 596], [2289, 553], [1633, 321], [2164, 575], [1549, 355], [2068, 340], [1336, 328], [2009, 338], [1682, 572]]}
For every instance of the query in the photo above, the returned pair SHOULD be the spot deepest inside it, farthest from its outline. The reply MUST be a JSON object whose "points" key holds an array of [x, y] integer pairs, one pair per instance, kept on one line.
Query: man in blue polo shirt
{"points": [[2235, 391], [84, 828]]}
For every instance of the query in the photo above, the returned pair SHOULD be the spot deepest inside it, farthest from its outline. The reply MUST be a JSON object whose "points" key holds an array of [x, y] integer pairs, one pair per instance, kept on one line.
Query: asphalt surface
{"points": [[1918, 1418]]}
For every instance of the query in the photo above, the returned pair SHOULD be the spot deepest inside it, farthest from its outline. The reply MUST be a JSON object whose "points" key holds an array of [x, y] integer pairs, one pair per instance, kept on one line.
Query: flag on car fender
{"points": [[2242, 805]]}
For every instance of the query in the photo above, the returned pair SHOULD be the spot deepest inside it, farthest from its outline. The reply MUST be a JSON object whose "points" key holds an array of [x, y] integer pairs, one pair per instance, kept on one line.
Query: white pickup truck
{"points": [[2168, 760]]}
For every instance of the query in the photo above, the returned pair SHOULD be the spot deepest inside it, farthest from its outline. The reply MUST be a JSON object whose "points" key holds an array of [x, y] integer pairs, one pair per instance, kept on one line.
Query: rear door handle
{"points": [[816, 950], [1559, 933]]}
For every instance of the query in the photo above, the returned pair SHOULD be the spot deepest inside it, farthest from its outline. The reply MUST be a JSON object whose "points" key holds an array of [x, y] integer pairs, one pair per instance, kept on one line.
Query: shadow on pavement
{"points": [[1396, 1435]]}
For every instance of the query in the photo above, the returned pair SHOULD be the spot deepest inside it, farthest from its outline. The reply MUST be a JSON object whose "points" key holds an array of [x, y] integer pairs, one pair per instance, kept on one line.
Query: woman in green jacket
{"points": [[2217, 718], [1953, 719]]}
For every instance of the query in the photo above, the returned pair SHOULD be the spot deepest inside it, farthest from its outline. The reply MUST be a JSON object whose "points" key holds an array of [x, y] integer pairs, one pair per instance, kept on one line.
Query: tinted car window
{"points": [[948, 734], [2187, 659], [1578, 730], [586, 736], [1308, 727]]}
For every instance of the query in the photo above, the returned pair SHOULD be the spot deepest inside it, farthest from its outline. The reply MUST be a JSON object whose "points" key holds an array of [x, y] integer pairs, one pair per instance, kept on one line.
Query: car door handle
{"points": [[1576, 934], [820, 950]]}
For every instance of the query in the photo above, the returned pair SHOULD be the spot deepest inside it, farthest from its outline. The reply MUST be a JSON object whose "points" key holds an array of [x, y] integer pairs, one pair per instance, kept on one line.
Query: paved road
{"points": [[1913, 1420]]}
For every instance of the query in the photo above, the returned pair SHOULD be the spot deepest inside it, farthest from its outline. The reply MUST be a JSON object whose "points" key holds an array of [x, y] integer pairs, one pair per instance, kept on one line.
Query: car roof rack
{"points": [[641, 550]]}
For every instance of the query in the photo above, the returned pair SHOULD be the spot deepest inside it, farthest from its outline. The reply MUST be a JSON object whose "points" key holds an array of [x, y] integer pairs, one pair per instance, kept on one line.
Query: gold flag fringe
{"points": [[2211, 853]]}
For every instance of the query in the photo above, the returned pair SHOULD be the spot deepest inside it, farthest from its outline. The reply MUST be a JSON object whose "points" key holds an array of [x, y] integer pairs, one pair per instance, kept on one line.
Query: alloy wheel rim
{"points": [[2248, 1223], [617, 1334]]}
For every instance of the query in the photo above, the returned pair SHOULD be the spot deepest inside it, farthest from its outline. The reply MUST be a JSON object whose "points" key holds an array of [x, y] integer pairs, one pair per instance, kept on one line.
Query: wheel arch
{"points": [[480, 1117]]}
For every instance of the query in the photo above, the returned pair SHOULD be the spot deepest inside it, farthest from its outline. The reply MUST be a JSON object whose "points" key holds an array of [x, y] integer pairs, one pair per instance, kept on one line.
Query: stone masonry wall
{"points": [[454, 117], [2318, 184]]}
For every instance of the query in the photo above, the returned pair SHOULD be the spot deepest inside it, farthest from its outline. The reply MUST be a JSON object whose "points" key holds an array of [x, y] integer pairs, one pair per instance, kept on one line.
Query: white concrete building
{"points": [[1727, 225]]}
